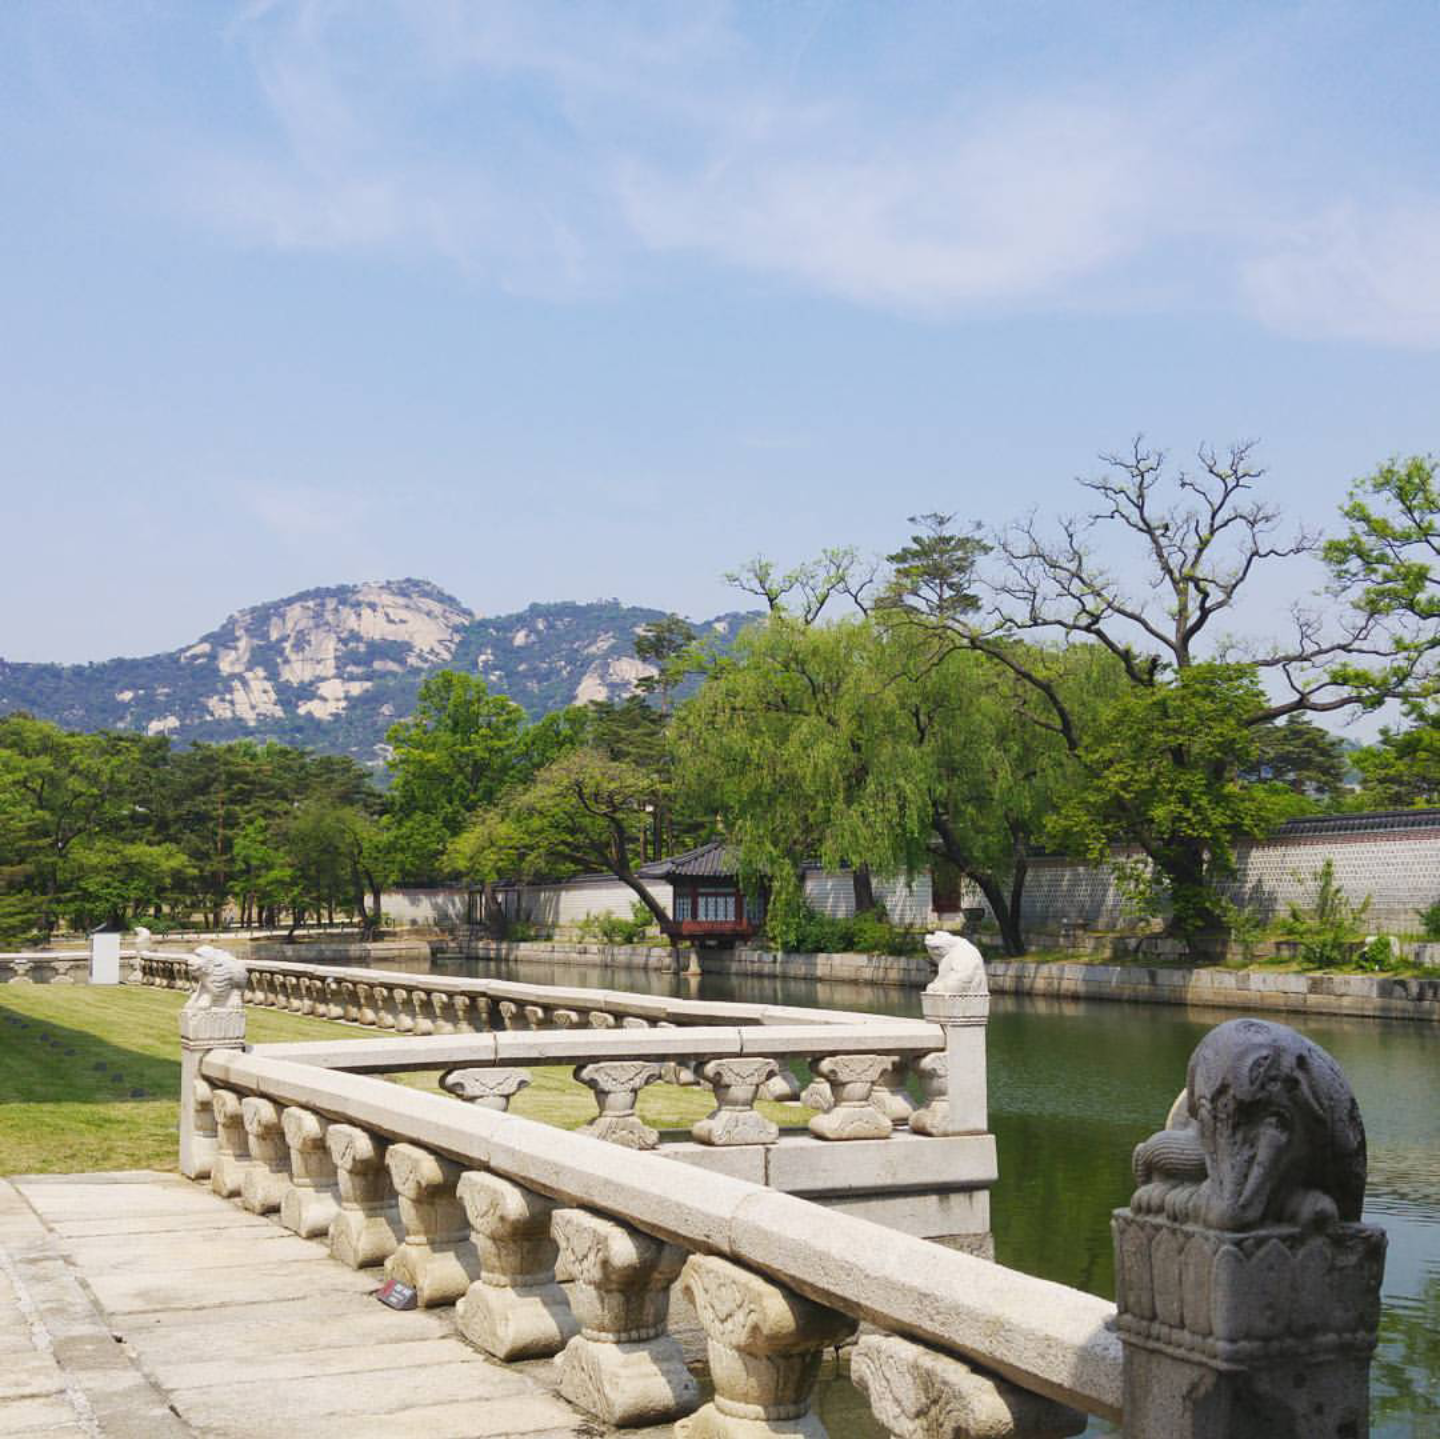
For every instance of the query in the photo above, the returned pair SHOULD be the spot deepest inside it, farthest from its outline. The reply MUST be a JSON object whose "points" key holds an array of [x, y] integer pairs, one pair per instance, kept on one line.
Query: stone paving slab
{"points": [[140, 1306]]}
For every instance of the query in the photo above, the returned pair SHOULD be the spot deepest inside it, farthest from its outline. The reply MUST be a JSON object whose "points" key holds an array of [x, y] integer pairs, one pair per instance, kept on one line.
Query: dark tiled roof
{"points": [[1373, 822], [709, 861]]}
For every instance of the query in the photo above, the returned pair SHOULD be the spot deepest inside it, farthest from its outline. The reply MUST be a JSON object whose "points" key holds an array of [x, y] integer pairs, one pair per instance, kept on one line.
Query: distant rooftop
{"points": [[706, 861]]}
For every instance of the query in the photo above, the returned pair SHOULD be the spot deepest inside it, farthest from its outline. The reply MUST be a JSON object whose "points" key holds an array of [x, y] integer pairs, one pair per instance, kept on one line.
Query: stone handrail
{"points": [[1043, 1337], [1248, 1287]]}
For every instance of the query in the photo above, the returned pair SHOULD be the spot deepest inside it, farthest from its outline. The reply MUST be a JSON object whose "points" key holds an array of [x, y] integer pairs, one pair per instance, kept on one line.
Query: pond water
{"points": [[1074, 1086]]}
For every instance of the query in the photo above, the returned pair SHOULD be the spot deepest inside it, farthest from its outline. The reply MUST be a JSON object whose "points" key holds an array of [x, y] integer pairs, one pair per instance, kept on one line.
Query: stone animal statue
{"points": [[220, 979], [1267, 1131], [960, 967]]}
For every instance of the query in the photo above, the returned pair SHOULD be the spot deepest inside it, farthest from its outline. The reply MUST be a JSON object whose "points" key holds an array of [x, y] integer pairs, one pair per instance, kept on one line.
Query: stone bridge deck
{"points": [[139, 1306]]}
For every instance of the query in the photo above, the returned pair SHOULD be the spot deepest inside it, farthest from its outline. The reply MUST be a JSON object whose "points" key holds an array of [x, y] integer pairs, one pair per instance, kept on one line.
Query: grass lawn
{"points": [[90, 1079]]}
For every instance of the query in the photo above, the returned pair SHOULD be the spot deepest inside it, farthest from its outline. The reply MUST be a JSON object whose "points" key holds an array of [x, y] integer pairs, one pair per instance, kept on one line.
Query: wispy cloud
{"points": [[560, 149]]}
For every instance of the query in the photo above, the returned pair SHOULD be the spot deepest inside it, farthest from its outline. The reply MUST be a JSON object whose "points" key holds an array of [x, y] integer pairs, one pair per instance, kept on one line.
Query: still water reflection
{"points": [[1075, 1086]]}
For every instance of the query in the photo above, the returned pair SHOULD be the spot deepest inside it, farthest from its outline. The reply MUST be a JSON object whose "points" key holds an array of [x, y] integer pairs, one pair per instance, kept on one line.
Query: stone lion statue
{"points": [[1267, 1131], [220, 979], [960, 967]]}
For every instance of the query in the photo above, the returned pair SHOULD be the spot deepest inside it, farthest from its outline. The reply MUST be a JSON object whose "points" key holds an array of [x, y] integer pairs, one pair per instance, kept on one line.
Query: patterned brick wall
{"points": [[1399, 871]]}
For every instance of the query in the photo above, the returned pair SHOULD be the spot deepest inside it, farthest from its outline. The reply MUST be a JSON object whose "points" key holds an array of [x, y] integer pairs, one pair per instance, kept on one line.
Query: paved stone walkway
{"points": [[139, 1306]]}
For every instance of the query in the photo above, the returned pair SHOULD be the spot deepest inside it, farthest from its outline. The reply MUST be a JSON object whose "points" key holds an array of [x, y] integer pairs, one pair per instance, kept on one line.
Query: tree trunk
{"points": [[863, 885]]}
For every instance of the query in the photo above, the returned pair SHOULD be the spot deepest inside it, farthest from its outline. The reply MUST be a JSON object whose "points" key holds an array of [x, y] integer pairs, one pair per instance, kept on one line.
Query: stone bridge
{"points": [[536, 1267]]}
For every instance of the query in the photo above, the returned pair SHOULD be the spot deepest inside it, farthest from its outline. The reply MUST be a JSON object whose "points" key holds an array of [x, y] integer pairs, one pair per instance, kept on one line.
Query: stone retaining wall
{"points": [[1365, 995]]}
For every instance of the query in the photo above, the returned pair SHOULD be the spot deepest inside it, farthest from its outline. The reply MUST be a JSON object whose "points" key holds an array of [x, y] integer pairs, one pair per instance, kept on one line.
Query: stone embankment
{"points": [[1369, 996]]}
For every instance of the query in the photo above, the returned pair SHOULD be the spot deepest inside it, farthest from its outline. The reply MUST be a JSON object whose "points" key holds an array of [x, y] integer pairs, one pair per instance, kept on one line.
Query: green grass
{"points": [[90, 1079]]}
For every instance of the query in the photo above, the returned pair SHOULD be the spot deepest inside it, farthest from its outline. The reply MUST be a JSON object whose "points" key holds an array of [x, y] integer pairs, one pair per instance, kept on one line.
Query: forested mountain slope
{"points": [[332, 669]]}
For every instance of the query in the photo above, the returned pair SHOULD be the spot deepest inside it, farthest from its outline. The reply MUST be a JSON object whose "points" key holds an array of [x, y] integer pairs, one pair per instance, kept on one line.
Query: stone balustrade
{"points": [[1249, 1291]]}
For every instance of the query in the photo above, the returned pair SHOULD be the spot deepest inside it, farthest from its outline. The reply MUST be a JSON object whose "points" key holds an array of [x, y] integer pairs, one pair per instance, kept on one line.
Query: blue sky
{"points": [[550, 302]]}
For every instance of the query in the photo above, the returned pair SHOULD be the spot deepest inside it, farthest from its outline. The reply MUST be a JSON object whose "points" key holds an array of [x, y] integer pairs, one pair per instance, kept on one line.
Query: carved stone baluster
{"points": [[622, 1367], [334, 999], [365, 994], [818, 1095], [267, 1177], [404, 1015], [386, 1010], [917, 1393], [367, 1230], [485, 1088], [616, 1085], [309, 989], [765, 1344], [890, 1096], [600, 1020], [510, 1015], [535, 1016], [424, 1011], [933, 1117], [851, 1078], [515, 1310], [634, 1021], [437, 1258], [311, 1203], [782, 1086], [232, 1148], [735, 1120], [440, 1004], [466, 1021], [350, 1001], [565, 1019], [203, 1136]]}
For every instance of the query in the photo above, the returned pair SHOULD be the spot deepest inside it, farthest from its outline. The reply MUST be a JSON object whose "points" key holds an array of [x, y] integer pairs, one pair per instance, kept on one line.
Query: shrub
{"points": [[1378, 954], [1430, 920], [810, 932], [1330, 930], [615, 929]]}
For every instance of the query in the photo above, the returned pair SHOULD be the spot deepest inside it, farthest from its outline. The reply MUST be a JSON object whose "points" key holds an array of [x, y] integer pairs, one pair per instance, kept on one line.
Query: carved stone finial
{"points": [[220, 980], [1268, 1133], [960, 967]]}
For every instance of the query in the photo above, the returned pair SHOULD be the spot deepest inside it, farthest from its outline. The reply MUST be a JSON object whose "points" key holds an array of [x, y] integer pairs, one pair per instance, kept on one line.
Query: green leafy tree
{"points": [[583, 811], [1301, 756], [1197, 538], [664, 644], [1162, 773]]}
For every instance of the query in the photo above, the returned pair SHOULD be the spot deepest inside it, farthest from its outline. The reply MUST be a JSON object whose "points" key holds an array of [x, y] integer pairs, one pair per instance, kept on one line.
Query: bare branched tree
{"points": [[807, 589], [1201, 534]]}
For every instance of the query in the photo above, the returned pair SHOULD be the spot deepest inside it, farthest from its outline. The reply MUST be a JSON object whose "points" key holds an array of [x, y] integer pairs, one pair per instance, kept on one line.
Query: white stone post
{"points": [[367, 1230], [958, 1000], [267, 1176], [735, 1120], [765, 1344], [852, 1078], [105, 957], [616, 1084], [918, 1393], [622, 1367], [890, 1096], [312, 1201], [1248, 1289], [933, 1116], [212, 1018], [437, 1259], [515, 1310]]}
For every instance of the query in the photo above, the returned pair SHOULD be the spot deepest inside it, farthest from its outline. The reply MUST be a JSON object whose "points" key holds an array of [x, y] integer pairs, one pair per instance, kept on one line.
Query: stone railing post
{"points": [[735, 1120], [212, 1018], [1248, 1288], [890, 1096], [958, 1000], [515, 1310], [267, 1176], [485, 1088], [616, 1084], [367, 1230], [232, 1147], [622, 1366], [765, 1345], [852, 1078], [311, 1203], [918, 1393], [437, 1259]]}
